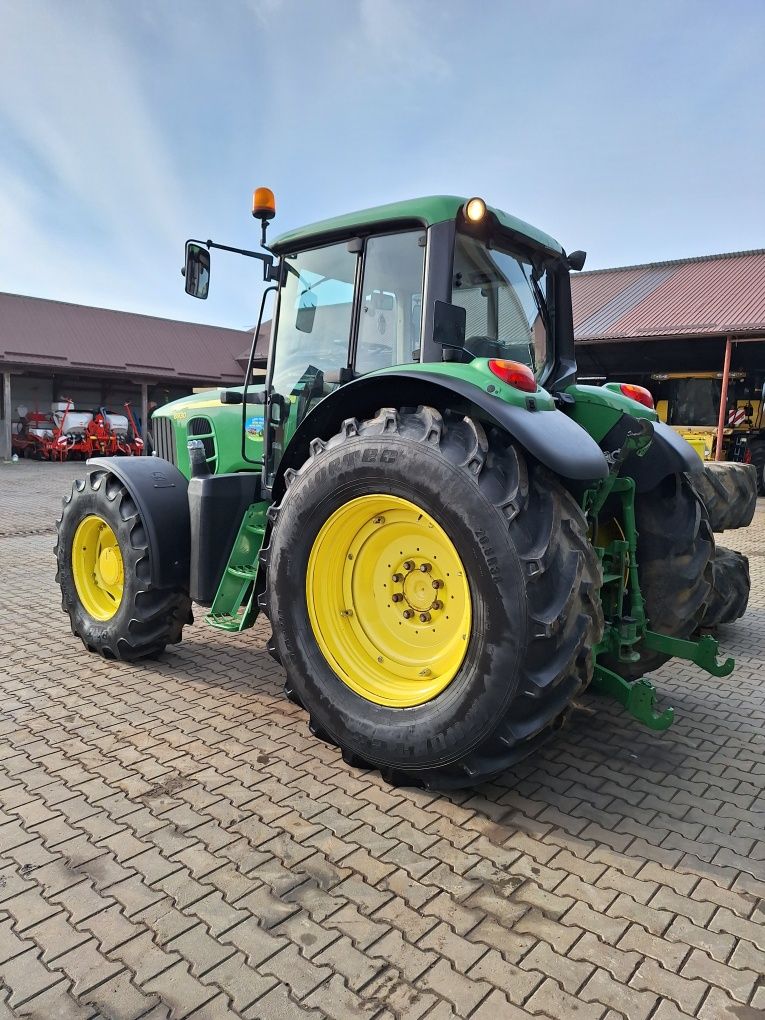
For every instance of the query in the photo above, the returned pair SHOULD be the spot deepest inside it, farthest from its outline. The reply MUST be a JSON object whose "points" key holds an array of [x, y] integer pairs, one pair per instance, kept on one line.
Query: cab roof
{"points": [[427, 211]]}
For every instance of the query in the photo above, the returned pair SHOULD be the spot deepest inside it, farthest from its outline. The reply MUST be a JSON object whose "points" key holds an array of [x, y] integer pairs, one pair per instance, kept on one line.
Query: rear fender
{"points": [[668, 454], [548, 435], [159, 490]]}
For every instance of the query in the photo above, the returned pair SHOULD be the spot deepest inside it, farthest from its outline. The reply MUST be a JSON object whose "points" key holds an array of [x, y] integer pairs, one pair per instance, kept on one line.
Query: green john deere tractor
{"points": [[450, 537]]}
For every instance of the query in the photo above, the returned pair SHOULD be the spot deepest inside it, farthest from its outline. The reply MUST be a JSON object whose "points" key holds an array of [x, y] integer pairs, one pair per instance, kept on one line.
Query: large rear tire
{"points": [[103, 571], [389, 507], [757, 453], [729, 595], [729, 492], [674, 552]]}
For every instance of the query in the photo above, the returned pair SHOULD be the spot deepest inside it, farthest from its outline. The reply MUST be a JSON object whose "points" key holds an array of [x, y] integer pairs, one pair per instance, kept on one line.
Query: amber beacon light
{"points": [[263, 204]]}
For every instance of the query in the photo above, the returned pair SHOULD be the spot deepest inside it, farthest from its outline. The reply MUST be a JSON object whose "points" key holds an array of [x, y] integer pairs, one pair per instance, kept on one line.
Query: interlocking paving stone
{"points": [[174, 842]]}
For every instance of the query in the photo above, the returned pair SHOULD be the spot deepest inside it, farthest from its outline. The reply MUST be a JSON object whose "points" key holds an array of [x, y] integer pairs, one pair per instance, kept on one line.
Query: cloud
{"points": [[128, 127], [399, 37], [72, 93], [265, 10]]}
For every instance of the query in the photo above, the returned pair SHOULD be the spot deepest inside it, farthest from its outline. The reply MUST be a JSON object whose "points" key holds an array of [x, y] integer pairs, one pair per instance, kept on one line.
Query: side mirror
{"points": [[576, 260], [306, 312], [449, 323], [197, 270]]}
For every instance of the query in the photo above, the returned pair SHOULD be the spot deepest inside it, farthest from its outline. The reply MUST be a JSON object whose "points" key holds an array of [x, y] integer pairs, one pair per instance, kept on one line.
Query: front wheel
{"points": [[434, 599], [103, 571]]}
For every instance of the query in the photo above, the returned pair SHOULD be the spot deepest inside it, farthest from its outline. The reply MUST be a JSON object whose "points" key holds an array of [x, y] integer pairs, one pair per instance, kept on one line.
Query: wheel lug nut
{"points": [[424, 617], [425, 568], [408, 565], [397, 597], [438, 584], [437, 605], [408, 614], [396, 578]]}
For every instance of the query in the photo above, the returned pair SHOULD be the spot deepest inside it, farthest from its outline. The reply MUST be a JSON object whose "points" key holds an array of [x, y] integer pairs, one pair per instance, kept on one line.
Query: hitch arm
{"points": [[702, 652], [638, 698]]}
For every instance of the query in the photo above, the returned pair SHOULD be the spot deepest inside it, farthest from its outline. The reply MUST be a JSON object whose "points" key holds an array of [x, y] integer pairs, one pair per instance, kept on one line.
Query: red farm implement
{"points": [[69, 434]]}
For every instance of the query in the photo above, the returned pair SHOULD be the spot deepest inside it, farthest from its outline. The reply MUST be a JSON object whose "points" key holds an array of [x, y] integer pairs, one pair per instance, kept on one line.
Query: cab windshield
{"points": [[506, 301]]}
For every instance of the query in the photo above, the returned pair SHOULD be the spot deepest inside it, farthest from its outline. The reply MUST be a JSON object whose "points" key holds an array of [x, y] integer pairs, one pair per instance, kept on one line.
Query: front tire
{"points": [[531, 618], [103, 571]]}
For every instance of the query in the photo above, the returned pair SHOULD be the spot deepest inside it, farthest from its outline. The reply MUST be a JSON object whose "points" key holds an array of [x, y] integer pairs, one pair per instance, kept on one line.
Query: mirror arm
{"points": [[270, 271]]}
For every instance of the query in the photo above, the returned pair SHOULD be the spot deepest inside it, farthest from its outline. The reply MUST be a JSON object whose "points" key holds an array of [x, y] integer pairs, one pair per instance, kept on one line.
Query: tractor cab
{"points": [[433, 281]]}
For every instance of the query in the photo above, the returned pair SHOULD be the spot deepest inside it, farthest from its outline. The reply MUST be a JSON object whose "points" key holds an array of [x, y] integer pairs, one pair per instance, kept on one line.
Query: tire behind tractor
{"points": [[729, 596], [729, 491], [534, 582], [148, 618], [757, 452], [674, 552]]}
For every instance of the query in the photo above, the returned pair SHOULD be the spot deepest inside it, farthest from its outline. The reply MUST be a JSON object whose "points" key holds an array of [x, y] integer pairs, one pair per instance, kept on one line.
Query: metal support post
{"points": [[5, 437], [145, 416], [723, 400]]}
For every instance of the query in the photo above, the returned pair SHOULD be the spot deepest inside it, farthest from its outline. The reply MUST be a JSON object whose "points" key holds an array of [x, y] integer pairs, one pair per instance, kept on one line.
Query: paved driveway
{"points": [[173, 841]]}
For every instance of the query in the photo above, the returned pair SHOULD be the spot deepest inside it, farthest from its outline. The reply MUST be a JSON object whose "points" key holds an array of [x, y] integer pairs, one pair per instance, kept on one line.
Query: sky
{"points": [[634, 131]]}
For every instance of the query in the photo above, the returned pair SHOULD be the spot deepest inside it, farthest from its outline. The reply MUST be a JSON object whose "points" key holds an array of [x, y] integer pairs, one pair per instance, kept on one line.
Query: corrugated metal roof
{"points": [[709, 295], [59, 336]]}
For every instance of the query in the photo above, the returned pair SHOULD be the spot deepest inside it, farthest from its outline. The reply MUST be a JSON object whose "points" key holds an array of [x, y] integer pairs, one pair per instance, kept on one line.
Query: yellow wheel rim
{"points": [[97, 568], [388, 600]]}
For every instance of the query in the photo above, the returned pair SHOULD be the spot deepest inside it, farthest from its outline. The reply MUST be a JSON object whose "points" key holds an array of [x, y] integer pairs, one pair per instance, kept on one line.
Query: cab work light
{"points": [[514, 373], [475, 209]]}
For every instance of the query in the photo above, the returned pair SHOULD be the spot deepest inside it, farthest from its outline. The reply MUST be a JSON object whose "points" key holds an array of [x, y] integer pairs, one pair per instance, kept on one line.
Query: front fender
{"points": [[159, 490], [548, 435]]}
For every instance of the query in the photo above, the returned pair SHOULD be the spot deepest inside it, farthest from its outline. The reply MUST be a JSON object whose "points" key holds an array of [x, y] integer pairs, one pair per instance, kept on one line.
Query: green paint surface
{"points": [[598, 409], [227, 425], [427, 211], [479, 374]]}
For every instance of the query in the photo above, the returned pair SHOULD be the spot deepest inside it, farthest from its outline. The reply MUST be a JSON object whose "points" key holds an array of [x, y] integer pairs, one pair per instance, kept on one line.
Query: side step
{"points": [[235, 606]]}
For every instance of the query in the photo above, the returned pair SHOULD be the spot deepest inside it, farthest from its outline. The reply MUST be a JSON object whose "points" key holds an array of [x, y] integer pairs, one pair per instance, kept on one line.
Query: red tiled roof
{"points": [[711, 295], [35, 332]]}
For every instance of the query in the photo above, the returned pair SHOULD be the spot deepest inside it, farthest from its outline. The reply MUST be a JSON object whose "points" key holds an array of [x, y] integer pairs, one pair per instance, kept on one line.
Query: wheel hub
{"points": [[388, 600], [110, 566], [97, 567]]}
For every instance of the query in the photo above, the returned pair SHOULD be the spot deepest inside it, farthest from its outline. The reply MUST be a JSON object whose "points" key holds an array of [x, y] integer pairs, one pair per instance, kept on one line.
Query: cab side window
{"points": [[391, 301]]}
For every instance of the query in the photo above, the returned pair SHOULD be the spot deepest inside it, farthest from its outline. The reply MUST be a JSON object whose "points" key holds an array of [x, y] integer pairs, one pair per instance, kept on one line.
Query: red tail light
{"points": [[514, 373], [639, 393]]}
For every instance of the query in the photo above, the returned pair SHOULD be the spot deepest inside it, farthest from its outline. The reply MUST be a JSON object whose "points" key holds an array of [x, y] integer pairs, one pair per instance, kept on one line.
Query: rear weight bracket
{"points": [[638, 698], [702, 652]]}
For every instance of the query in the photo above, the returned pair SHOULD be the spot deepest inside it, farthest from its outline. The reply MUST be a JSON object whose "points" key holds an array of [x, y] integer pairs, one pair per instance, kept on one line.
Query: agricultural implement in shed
{"points": [[452, 539], [70, 434]]}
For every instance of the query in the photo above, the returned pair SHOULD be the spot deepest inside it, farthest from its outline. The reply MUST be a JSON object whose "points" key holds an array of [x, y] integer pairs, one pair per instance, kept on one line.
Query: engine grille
{"points": [[164, 439], [202, 428]]}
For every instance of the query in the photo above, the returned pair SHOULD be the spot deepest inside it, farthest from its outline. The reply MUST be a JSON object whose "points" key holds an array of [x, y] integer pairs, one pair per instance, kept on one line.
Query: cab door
{"points": [[390, 308], [312, 338]]}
